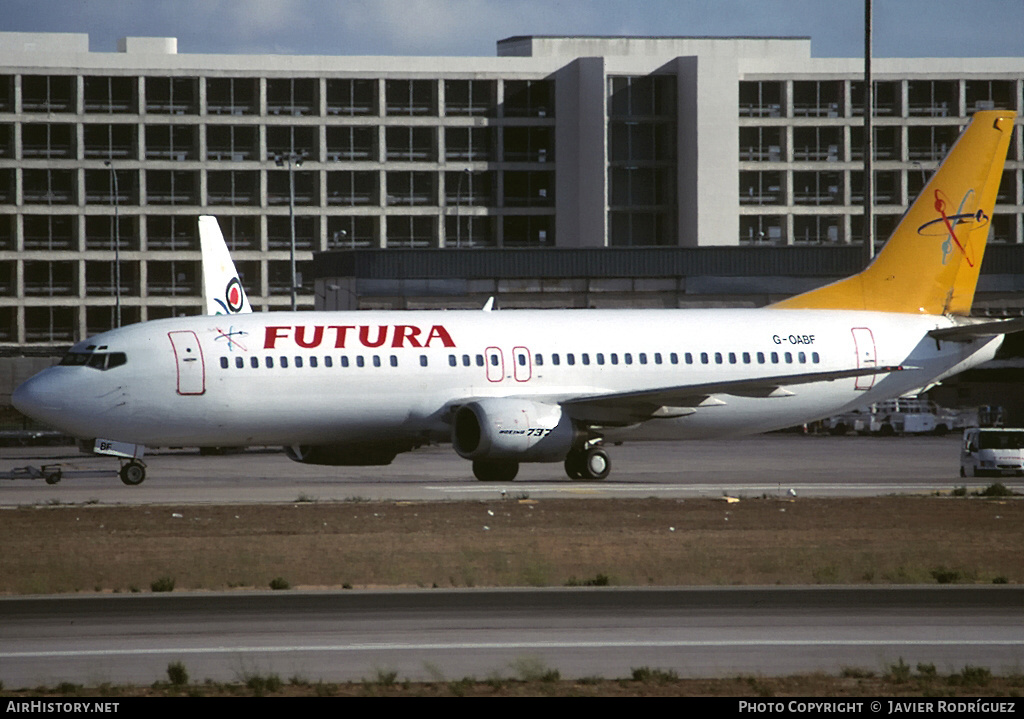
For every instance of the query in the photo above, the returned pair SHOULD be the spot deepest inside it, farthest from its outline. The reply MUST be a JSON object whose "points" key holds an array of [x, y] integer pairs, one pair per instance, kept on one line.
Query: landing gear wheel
{"points": [[133, 473], [574, 464], [596, 463], [495, 470]]}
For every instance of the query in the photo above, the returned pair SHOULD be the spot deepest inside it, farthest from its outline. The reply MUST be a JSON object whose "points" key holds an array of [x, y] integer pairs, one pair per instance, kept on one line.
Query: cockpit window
{"points": [[97, 360]]}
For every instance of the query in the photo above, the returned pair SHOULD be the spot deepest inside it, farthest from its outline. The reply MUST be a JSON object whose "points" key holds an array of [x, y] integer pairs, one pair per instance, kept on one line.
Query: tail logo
{"points": [[945, 225], [235, 298]]}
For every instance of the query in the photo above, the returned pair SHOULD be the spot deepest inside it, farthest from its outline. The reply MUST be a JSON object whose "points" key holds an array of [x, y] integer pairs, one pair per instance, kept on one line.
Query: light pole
{"points": [[869, 191], [117, 244], [293, 160]]}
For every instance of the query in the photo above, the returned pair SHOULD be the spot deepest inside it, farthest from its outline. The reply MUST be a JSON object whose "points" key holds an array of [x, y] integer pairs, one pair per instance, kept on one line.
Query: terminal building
{"points": [[682, 159]]}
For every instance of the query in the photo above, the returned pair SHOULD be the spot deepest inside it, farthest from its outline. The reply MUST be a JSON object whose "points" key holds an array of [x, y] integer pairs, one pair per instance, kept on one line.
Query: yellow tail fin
{"points": [[931, 262]]}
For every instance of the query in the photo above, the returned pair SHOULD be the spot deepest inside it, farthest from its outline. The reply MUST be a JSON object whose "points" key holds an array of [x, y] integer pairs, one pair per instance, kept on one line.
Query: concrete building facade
{"points": [[573, 143]]}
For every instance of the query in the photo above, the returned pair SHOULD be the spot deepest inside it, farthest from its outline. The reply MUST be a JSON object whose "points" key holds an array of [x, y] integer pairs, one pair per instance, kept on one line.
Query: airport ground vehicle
{"points": [[993, 451], [903, 415]]}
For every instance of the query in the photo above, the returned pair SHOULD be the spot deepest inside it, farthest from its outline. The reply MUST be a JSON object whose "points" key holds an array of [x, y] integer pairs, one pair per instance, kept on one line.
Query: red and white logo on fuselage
{"points": [[340, 336]]}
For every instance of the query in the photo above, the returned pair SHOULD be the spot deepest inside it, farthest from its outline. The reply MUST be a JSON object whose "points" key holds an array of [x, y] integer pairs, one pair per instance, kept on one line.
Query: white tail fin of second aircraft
{"points": [[223, 293]]}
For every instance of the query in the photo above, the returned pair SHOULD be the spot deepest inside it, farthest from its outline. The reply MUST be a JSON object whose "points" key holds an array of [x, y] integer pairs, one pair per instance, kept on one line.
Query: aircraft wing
{"points": [[622, 408], [978, 330]]}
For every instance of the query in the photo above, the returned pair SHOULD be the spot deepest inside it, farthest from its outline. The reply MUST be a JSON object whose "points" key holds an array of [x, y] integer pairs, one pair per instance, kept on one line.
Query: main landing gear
{"points": [[588, 463], [584, 463]]}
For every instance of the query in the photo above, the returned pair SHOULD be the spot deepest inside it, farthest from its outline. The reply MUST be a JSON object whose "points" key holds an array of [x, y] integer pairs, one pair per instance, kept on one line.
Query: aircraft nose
{"points": [[40, 398]]}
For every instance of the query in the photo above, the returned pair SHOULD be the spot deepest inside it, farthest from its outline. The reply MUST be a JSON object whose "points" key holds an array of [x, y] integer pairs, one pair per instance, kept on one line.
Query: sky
{"points": [[902, 28]]}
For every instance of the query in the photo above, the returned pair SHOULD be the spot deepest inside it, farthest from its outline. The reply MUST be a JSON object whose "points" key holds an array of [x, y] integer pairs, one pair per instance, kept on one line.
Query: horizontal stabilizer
{"points": [[979, 330]]}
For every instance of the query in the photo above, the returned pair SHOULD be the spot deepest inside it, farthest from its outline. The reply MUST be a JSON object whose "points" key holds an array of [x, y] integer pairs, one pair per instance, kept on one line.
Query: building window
{"points": [[351, 97], [410, 97]]}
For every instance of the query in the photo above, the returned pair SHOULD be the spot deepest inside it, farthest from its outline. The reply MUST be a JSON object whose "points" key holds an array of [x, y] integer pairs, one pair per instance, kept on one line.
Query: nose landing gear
{"points": [[132, 473]]}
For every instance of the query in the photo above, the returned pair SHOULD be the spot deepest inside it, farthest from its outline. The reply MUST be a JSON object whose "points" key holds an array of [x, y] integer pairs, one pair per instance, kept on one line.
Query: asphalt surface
{"points": [[433, 634], [778, 464]]}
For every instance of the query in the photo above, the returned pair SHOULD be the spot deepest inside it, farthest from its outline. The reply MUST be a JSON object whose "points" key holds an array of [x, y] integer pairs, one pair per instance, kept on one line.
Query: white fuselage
{"points": [[318, 377]]}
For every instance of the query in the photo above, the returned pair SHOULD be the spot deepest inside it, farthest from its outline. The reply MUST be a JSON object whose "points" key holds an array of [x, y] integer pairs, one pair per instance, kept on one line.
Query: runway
{"points": [[434, 634], [764, 465]]}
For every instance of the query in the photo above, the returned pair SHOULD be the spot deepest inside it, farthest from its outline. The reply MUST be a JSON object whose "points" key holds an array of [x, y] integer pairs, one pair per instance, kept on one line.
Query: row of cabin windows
{"points": [[613, 358], [657, 357], [299, 361]]}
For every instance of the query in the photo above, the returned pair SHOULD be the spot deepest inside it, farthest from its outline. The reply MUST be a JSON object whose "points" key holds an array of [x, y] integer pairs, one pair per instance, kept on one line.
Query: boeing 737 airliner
{"points": [[505, 387]]}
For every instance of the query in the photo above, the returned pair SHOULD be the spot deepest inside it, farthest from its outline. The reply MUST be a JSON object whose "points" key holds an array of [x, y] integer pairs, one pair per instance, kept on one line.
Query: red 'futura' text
{"points": [[365, 335]]}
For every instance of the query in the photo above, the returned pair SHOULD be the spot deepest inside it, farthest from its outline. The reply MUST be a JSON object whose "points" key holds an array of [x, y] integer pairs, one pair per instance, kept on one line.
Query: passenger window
{"points": [[394, 360], [570, 358], [452, 361], [360, 362], [376, 360], [239, 363], [600, 358], [465, 361], [615, 358], [760, 357], [423, 360], [586, 358], [312, 362], [284, 362], [643, 358], [814, 357], [802, 357], [628, 357], [554, 359], [224, 362], [255, 362], [270, 363], [789, 358], [344, 361], [298, 362], [775, 357], [689, 358], [746, 358], [328, 362], [732, 358], [674, 358], [657, 358], [538, 359], [479, 360]]}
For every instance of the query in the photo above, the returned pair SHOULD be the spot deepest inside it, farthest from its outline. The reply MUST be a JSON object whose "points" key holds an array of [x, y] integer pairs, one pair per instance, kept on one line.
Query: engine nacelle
{"points": [[345, 455], [513, 429]]}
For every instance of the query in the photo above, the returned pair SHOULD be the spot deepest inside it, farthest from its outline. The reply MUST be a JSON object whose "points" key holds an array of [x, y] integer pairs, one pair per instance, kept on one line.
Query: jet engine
{"points": [[513, 429], [346, 455]]}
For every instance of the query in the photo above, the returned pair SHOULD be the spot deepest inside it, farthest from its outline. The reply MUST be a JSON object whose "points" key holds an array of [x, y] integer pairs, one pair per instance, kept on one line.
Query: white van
{"points": [[992, 451]]}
